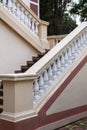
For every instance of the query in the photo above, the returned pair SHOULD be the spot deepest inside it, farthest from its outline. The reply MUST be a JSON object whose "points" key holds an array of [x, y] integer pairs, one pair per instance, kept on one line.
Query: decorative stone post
{"points": [[43, 34], [17, 97]]}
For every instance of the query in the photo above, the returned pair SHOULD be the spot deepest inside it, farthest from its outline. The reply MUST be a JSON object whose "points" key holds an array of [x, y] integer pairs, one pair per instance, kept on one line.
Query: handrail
{"points": [[54, 64]]}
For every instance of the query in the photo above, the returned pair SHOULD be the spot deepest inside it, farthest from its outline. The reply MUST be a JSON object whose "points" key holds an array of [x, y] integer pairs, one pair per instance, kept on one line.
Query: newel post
{"points": [[43, 34], [17, 97]]}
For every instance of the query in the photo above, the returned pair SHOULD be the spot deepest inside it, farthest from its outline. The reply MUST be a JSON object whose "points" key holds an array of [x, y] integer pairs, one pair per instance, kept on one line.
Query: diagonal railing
{"points": [[23, 14], [57, 61]]}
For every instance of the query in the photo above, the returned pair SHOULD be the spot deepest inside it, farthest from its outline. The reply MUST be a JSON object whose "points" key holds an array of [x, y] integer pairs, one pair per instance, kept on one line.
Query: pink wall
{"points": [[33, 4]]}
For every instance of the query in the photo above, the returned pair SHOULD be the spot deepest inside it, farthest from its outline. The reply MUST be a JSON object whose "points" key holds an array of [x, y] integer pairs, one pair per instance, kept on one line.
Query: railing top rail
{"points": [[53, 53], [56, 36], [29, 10], [32, 13]]}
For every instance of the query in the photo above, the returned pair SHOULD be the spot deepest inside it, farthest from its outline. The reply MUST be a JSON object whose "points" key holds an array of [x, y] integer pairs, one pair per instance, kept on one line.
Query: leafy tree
{"points": [[53, 11], [80, 9]]}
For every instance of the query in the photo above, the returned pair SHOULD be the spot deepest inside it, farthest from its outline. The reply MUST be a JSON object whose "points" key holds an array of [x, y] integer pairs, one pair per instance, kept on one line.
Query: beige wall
{"points": [[14, 50], [74, 95]]}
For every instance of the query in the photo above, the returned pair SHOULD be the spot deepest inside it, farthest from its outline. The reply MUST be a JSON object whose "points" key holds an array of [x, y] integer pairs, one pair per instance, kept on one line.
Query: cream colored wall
{"points": [[74, 95], [14, 50]]}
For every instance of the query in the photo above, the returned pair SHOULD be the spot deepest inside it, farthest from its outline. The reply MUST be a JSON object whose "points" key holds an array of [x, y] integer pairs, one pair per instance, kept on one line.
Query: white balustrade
{"points": [[21, 14], [58, 66]]}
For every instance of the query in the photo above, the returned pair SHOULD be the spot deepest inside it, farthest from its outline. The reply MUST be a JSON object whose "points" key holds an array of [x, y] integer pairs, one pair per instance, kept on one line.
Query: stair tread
{"points": [[1, 110], [40, 55], [18, 71], [30, 63]]}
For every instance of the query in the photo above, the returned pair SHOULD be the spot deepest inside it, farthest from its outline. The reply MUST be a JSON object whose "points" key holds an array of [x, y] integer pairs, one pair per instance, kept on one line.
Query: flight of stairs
{"points": [[22, 70], [30, 63]]}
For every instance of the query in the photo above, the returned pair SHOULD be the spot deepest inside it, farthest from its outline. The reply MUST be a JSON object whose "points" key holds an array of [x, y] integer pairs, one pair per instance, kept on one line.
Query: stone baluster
{"points": [[79, 44], [33, 25], [59, 72], [50, 75], [18, 11], [76, 47], [41, 85], [80, 40], [54, 70], [84, 39], [36, 91], [46, 80], [22, 17], [66, 57], [14, 7], [82, 44], [10, 5], [29, 21], [4, 2], [62, 59], [26, 18], [70, 55], [73, 49], [36, 27]]}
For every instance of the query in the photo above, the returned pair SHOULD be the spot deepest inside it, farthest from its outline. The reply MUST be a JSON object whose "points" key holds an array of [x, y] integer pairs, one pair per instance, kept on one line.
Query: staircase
{"points": [[50, 90], [31, 63]]}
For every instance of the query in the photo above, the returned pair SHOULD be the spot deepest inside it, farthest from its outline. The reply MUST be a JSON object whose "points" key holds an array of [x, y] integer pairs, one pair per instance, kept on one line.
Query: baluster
{"points": [[14, 7], [84, 39], [41, 85], [54, 69], [46, 83], [36, 27], [59, 72], [4, 2], [82, 43], [69, 55], [36, 91], [33, 26], [50, 75], [73, 51], [78, 45], [62, 60], [73, 48], [29, 21], [22, 14], [18, 11], [10, 5], [66, 58], [26, 18], [80, 40]]}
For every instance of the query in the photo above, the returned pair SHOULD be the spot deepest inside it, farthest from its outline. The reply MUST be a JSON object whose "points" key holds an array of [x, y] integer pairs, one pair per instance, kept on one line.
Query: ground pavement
{"points": [[78, 125]]}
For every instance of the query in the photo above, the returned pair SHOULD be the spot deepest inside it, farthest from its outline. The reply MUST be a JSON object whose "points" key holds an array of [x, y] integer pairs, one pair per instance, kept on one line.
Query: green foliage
{"points": [[80, 9], [53, 11]]}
